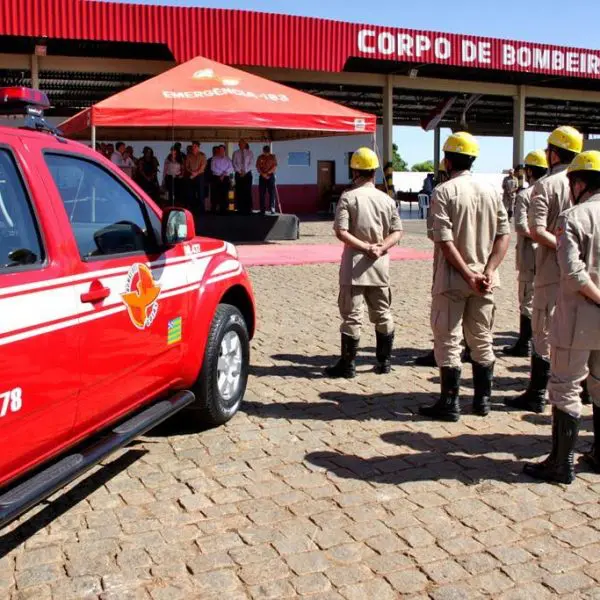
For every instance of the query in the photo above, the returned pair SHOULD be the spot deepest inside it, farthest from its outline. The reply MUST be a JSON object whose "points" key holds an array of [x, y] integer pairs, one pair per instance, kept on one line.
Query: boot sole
{"points": [[444, 418], [531, 471], [537, 409]]}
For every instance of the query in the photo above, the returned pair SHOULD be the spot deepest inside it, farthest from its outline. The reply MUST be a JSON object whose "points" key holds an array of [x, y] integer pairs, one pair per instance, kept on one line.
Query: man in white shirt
{"points": [[222, 169], [117, 156], [243, 160]]}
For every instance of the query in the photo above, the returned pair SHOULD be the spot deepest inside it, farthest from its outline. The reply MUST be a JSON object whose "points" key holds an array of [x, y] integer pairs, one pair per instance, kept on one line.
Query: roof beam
{"points": [[85, 64]]}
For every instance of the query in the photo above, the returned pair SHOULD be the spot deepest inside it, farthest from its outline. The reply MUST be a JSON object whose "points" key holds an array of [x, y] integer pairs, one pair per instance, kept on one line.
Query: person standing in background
{"points": [[243, 161], [510, 185], [222, 169], [195, 166], [173, 176], [266, 165]]}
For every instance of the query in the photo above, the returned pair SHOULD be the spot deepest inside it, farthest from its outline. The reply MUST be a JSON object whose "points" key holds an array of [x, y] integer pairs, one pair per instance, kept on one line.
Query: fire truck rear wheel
{"points": [[222, 382]]}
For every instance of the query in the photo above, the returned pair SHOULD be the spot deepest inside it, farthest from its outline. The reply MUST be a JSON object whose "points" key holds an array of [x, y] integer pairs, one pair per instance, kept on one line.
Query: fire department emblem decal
{"points": [[141, 296]]}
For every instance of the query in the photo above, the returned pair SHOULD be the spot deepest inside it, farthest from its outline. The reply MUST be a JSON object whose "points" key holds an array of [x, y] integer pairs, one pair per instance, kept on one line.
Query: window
{"points": [[299, 159], [19, 236], [105, 216]]}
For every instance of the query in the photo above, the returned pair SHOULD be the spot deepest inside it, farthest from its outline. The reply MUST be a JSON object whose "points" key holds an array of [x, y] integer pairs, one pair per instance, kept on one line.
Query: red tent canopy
{"points": [[207, 100]]}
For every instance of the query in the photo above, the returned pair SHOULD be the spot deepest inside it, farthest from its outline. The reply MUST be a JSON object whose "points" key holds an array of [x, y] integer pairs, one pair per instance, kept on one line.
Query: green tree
{"points": [[424, 167], [397, 161]]}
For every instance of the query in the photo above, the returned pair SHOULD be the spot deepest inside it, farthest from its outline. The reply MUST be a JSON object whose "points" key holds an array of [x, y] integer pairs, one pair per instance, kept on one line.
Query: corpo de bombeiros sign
{"points": [[476, 52]]}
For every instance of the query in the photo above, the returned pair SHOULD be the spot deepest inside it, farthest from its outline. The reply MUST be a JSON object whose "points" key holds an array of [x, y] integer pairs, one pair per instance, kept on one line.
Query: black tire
{"points": [[211, 408]]}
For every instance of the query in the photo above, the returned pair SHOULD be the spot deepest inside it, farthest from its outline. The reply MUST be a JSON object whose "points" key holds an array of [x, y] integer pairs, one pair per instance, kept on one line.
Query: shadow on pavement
{"points": [[65, 501], [312, 366], [468, 458]]}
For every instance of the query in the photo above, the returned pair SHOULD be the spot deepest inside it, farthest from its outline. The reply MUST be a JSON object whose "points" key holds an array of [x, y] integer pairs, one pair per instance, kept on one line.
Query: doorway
{"points": [[325, 180]]}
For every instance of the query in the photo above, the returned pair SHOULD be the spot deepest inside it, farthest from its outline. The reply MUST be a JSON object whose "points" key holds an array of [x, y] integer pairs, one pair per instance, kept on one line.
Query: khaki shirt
{"points": [[549, 198], [525, 253], [195, 162], [371, 216], [576, 322], [266, 164], [509, 187], [471, 215]]}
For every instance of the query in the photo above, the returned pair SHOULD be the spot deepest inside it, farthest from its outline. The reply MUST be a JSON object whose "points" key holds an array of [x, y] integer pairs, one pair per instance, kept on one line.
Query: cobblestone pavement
{"points": [[323, 489]]}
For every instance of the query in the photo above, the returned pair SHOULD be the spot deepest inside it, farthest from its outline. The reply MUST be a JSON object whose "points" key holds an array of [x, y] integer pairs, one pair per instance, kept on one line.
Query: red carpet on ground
{"points": [[309, 254]]}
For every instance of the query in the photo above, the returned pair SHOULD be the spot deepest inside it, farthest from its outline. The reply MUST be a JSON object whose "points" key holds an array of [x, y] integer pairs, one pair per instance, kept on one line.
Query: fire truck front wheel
{"points": [[222, 382]]}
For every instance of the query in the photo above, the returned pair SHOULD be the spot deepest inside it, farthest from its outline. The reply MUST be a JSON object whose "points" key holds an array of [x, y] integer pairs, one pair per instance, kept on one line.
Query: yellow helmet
{"points": [[536, 158], [586, 161], [462, 143], [364, 159], [567, 138]]}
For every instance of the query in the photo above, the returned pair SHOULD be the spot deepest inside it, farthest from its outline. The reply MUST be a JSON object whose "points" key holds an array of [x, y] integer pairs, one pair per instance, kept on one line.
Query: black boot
{"points": [[345, 367], [522, 346], [447, 407], [383, 352], [482, 384], [534, 398], [558, 467], [427, 360], [585, 395], [465, 357], [592, 457]]}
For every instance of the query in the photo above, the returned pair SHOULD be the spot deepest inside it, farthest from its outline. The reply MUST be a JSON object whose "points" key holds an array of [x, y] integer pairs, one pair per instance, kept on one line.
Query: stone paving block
{"points": [[244, 555], [38, 592], [492, 583], [561, 562], [454, 592], [314, 583], [348, 575], [444, 572], [568, 582], [577, 537], [375, 588], [37, 576], [308, 562], [478, 563], [416, 537], [533, 591], [460, 546], [219, 543], [389, 563], [409, 581], [259, 573]]}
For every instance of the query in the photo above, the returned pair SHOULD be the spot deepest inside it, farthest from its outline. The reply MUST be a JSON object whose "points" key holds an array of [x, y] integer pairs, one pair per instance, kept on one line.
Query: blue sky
{"points": [[573, 24]]}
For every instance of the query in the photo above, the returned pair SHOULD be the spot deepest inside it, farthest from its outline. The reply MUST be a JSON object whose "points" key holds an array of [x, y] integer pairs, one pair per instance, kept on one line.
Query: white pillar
{"points": [[93, 137], [388, 120], [436, 150], [518, 126], [35, 72]]}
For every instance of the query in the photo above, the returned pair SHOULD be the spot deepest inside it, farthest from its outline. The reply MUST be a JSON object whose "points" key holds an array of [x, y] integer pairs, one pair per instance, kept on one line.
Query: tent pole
{"points": [[93, 137]]}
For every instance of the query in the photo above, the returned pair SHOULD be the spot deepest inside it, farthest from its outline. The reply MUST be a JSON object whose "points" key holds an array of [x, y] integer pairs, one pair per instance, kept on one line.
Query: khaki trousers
{"points": [[526, 298], [455, 312], [570, 368], [351, 301], [544, 304]]}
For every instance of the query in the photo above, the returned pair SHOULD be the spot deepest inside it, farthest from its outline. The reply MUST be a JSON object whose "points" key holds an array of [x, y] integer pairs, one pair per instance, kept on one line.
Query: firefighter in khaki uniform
{"points": [[549, 198], [536, 166], [576, 323], [368, 224], [428, 360], [471, 233]]}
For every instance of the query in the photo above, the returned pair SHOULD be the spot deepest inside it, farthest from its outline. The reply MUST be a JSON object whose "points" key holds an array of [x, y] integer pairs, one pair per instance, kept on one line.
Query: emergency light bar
{"points": [[22, 100], [28, 102]]}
